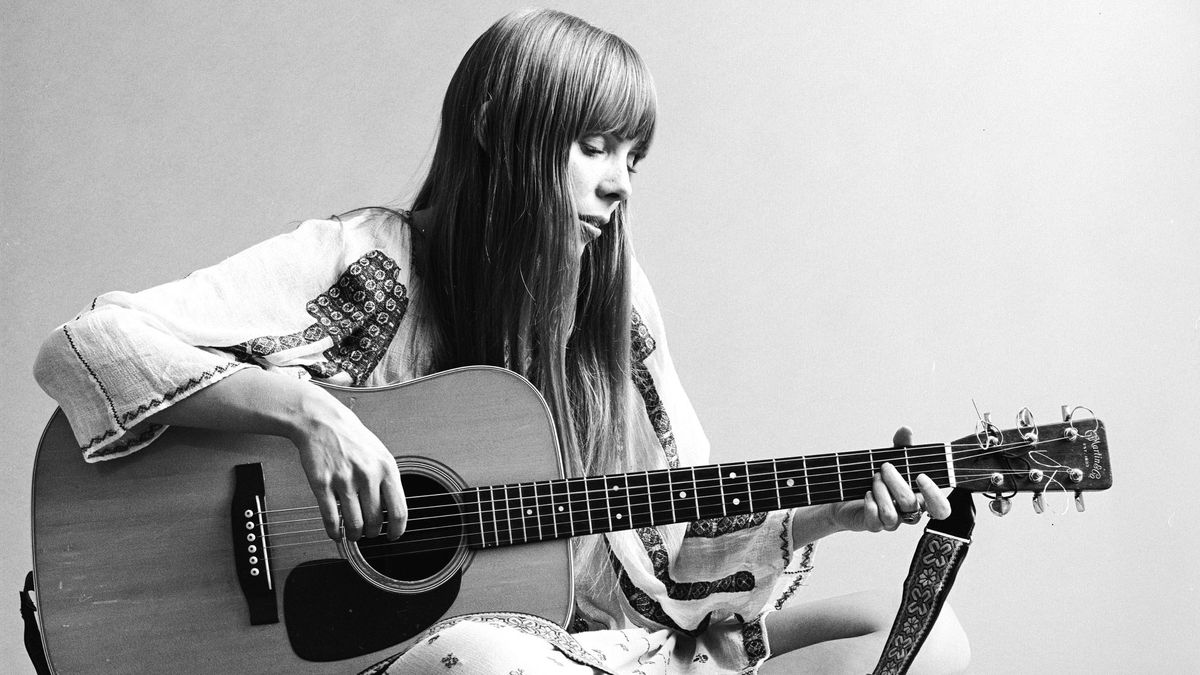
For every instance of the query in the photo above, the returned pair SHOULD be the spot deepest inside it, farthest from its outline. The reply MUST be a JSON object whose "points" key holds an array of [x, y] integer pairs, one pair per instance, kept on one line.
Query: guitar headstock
{"points": [[1068, 455]]}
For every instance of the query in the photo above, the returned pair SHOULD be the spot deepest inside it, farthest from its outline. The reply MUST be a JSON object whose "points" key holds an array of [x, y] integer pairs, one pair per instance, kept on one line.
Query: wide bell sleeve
{"points": [[323, 300]]}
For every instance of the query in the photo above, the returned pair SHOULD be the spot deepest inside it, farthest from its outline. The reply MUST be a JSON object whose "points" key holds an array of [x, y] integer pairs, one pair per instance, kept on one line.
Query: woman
{"points": [[515, 254]]}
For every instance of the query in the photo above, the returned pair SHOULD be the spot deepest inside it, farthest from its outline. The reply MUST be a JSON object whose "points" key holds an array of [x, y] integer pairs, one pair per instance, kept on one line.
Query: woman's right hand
{"points": [[345, 462], [348, 465]]}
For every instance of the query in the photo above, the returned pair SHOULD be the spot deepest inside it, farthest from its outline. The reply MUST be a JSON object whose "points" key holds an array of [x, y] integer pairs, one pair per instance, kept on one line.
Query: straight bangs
{"points": [[623, 102]]}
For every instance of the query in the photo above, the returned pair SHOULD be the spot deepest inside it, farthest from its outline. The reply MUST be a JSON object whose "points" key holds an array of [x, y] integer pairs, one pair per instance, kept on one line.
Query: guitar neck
{"points": [[502, 515]]}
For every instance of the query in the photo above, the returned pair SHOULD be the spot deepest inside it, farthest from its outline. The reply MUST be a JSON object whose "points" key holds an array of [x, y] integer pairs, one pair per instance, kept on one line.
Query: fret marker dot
{"points": [[619, 516], [733, 474], [682, 494], [529, 512], [791, 482], [736, 501], [560, 508], [616, 487]]}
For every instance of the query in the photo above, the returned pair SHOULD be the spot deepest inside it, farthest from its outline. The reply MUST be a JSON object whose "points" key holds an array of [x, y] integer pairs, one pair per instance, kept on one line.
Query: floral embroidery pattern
{"points": [[754, 643], [932, 569], [652, 541], [715, 527], [360, 313], [449, 660], [642, 346]]}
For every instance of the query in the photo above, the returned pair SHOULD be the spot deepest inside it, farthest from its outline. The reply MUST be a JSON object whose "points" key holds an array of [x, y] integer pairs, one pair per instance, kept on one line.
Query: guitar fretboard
{"points": [[502, 515]]}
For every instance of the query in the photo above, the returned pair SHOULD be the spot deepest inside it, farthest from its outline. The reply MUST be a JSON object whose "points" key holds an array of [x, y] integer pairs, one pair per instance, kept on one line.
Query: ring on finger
{"points": [[913, 517]]}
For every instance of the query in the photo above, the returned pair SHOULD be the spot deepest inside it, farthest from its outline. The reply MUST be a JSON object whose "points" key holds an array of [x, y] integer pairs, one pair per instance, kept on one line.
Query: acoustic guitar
{"points": [[205, 553]]}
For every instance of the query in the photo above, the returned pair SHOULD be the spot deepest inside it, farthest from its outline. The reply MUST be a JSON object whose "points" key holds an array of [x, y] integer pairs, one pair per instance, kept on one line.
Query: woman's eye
{"points": [[591, 150]]}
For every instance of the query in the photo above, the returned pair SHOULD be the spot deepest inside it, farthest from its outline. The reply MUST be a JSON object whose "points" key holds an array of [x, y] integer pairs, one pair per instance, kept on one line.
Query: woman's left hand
{"points": [[890, 498]]}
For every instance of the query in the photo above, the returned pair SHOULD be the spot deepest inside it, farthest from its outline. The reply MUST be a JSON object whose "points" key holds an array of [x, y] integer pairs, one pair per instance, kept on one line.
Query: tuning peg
{"points": [[1066, 415], [1079, 501], [1039, 503], [1000, 506]]}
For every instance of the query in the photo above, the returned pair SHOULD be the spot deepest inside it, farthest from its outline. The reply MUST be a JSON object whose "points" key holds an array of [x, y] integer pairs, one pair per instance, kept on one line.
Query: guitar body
{"points": [[134, 560]]}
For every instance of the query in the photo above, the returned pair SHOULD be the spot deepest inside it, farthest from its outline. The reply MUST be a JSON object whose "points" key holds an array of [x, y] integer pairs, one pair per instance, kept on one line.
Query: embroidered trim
{"points": [[111, 407], [126, 443], [710, 528], [652, 541], [146, 407], [642, 345], [194, 382], [267, 345], [361, 313], [643, 604], [754, 644], [801, 575], [785, 543]]}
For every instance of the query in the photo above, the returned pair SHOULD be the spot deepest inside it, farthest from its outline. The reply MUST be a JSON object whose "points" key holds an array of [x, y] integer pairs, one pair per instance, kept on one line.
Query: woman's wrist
{"points": [[815, 522]]}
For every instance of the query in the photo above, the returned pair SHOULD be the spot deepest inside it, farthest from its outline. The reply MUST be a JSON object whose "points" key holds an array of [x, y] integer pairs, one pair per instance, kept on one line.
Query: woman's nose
{"points": [[617, 184]]}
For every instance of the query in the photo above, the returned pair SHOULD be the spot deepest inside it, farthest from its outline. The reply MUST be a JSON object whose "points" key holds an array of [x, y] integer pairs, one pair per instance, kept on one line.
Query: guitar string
{"points": [[588, 496], [452, 540], [456, 531], [454, 536], [927, 462], [933, 459], [452, 517], [496, 509]]}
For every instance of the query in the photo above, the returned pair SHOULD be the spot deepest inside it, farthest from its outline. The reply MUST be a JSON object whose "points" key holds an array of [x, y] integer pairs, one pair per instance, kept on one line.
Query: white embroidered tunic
{"points": [[333, 301]]}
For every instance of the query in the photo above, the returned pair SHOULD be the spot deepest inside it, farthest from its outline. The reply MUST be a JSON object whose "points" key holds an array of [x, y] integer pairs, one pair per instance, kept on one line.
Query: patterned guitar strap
{"points": [[935, 563]]}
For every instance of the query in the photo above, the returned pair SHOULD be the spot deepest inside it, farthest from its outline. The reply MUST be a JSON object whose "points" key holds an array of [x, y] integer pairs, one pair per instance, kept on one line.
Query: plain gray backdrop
{"points": [[856, 215]]}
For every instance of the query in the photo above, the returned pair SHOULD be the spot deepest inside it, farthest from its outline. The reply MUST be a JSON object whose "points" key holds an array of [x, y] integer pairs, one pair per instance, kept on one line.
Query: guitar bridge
{"points": [[250, 544]]}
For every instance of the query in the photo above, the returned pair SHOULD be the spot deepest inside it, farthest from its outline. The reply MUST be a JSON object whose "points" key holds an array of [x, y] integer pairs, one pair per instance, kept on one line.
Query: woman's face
{"points": [[599, 169]]}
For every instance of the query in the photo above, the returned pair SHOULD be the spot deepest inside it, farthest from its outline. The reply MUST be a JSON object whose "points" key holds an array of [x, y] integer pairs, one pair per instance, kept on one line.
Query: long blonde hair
{"points": [[507, 285]]}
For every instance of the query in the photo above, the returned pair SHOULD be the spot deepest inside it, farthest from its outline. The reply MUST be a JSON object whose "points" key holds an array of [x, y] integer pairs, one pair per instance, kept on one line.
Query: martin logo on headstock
{"points": [[1072, 455]]}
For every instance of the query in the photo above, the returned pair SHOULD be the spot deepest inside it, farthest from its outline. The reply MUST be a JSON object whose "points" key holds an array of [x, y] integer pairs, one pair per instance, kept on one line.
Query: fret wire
{"points": [[931, 462], [495, 518], [607, 504], [776, 481], [935, 463], [721, 488], [649, 500], [838, 463], [537, 512], [749, 491], [695, 492], [807, 483], [629, 503], [671, 487], [522, 509]]}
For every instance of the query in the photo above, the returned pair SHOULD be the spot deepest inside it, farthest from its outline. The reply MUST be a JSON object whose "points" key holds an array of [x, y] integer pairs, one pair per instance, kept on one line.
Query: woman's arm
{"points": [[345, 463]]}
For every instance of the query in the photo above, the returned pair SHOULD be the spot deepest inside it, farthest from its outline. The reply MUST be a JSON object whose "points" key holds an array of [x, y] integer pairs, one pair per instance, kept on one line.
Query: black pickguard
{"points": [[332, 613]]}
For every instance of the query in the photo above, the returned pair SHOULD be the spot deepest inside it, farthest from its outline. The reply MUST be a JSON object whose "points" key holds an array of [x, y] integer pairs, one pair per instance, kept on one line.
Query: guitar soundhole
{"points": [[430, 542]]}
